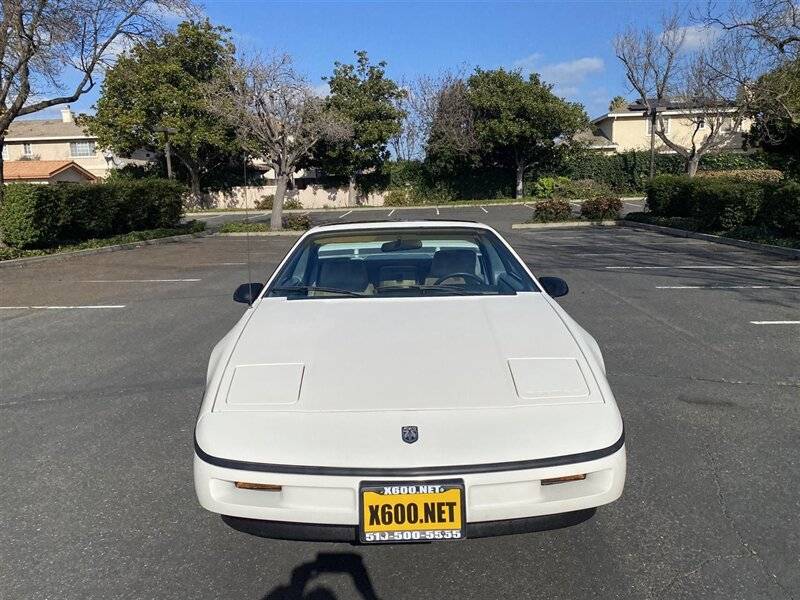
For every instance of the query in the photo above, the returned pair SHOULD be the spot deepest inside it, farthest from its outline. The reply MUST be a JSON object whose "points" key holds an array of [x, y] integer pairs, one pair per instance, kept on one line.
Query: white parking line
{"points": [[484, 210], [728, 287], [62, 307], [713, 267], [137, 280], [597, 253], [775, 322], [437, 210], [529, 206], [391, 212], [220, 264], [345, 214]]}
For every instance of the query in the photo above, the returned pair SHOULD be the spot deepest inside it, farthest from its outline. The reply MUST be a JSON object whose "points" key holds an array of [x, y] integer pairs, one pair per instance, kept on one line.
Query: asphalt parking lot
{"points": [[97, 407]]}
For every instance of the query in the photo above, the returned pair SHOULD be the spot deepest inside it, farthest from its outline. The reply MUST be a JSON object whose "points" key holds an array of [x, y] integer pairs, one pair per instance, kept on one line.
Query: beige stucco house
{"points": [[61, 140], [629, 129]]}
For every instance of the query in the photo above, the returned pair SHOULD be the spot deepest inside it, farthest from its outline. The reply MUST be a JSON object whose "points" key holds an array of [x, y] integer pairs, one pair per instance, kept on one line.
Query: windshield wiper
{"points": [[424, 288], [315, 288]]}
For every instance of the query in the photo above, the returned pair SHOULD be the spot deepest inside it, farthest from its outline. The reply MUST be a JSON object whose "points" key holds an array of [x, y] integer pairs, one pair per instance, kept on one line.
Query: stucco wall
{"points": [[59, 150], [313, 196], [631, 134]]}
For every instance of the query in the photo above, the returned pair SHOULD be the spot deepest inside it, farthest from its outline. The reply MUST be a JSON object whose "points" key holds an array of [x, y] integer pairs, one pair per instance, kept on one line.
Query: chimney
{"points": [[66, 115]]}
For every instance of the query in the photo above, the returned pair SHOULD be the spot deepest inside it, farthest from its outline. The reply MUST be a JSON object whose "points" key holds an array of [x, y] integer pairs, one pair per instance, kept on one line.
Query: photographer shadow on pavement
{"points": [[304, 575]]}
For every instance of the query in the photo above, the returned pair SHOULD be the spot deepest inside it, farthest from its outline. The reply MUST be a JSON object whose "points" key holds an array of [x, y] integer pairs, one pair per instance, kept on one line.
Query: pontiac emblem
{"points": [[410, 434]]}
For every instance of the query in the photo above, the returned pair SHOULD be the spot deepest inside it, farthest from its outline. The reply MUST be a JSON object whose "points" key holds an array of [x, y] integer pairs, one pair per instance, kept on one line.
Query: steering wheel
{"points": [[476, 278]]}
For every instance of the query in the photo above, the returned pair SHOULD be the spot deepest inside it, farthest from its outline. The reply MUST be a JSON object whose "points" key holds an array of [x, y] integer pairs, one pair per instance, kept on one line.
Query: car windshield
{"points": [[401, 262]]}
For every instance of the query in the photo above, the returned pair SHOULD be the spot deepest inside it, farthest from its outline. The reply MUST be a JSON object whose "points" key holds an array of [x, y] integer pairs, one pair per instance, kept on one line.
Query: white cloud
{"points": [[698, 37], [571, 73], [527, 64]]}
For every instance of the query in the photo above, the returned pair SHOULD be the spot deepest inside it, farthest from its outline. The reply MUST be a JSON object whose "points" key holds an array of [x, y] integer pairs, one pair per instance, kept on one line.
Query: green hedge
{"points": [[717, 204], [42, 216], [629, 171]]}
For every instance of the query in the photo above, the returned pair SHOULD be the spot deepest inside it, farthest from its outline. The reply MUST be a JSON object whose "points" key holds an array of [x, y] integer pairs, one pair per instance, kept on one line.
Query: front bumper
{"points": [[313, 532], [325, 507]]}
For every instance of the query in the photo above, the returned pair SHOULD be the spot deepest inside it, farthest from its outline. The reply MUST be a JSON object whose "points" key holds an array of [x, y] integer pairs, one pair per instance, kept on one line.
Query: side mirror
{"points": [[247, 292], [554, 286]]}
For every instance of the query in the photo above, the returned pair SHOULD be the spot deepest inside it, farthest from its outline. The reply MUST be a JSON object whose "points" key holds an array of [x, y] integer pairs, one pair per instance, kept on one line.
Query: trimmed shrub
{"points": [[676, 222], [545, 187], [30, 215], [580, 189], [781, 209], [266, 202], [296, 222], [723, 204], [40, 216], [669, 195], [555, 209], [288, 203], [598, 209], [757, 175]]}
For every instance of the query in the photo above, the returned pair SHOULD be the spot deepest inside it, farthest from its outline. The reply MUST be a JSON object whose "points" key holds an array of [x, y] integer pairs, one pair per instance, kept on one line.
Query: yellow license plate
{"points": [[411, 512]]}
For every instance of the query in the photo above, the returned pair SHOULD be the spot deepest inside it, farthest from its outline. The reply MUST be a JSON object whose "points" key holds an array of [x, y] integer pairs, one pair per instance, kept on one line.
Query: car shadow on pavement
{"points": [[304, 575]]}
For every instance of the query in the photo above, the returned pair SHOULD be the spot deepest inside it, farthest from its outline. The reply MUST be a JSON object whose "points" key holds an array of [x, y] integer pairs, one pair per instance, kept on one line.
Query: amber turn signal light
{"points": [[269, 487], [556, 480]]}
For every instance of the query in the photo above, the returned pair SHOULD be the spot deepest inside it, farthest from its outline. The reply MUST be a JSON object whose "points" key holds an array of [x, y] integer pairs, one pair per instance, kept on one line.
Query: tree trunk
{"points": [[276, 218], [194, 186], [351, 190], [520, 174], [691, 165]]}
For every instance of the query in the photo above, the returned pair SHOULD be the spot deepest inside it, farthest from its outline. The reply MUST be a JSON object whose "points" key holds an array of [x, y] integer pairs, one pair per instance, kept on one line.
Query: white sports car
{"points": [[406, 382]]}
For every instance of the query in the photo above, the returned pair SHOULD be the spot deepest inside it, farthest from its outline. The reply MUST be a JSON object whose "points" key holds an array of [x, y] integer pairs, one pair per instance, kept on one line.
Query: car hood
{"points": [[348, 373]]}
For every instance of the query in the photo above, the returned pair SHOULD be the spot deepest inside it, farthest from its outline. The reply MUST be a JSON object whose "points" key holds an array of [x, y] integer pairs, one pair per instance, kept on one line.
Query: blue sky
{"points": [[567, 42]]}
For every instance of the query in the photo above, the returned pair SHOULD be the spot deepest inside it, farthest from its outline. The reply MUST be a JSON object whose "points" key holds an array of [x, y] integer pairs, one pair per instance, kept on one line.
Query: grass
{"points": [[760, 235], [125, 238]]}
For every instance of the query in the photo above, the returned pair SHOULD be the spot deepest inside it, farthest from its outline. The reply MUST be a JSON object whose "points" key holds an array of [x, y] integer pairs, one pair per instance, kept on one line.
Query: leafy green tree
{"points": [[366, 98], [776, 116], [160, 85], [519, 123]]}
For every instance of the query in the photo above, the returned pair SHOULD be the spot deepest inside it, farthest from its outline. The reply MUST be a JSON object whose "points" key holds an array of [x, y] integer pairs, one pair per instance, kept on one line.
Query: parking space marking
{"points": [[775, 322], [391, 212], [728, 287], [437, 210], [345, 214], [709, 267], [220, 264], [88, 306], [529, 206], [483, 209], [139, 280]]}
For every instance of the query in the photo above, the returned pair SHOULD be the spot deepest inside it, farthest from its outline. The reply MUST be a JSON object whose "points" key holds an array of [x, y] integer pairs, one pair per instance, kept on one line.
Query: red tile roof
{"points": [[21, 170]]}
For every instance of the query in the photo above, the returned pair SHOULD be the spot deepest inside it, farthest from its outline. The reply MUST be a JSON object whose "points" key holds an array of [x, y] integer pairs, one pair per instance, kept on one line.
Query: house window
{"points": [[81, 148], [27, 150], [650, 125]]}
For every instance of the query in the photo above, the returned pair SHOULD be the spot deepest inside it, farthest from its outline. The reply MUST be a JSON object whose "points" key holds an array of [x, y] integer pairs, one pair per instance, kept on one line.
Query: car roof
{"points": [[427, 224]]}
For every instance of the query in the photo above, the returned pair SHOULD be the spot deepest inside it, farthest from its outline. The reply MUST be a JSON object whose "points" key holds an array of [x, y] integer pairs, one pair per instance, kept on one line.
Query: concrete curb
{"points": [[260, 233], [563, 224], [21, 262], [779, 250]]}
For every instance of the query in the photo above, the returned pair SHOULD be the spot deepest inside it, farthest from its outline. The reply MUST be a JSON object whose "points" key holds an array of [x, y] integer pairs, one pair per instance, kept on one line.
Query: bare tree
{"points": [[663, 74], [43, 43], [431, 101], [764, 36], [276, 114]]}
